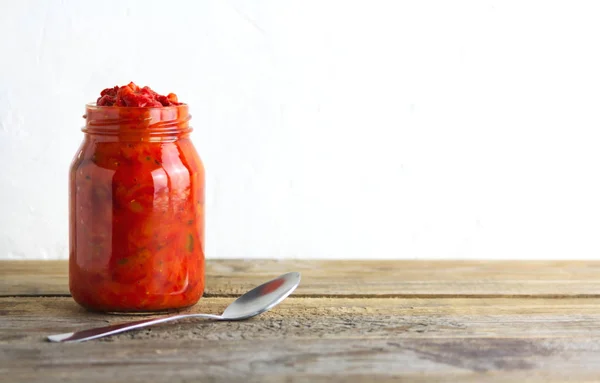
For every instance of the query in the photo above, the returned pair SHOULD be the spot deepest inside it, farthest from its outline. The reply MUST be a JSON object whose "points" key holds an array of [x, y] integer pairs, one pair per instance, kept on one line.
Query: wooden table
{"points": [[469, 321]]}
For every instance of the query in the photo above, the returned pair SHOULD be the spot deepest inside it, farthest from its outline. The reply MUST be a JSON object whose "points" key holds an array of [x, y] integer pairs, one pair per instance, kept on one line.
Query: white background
{"points": [[329, 129]]}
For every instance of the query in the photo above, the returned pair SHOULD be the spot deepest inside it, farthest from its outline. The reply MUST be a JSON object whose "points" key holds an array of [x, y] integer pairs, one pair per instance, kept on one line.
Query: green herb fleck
{"points": [[135, 206], [190, 243], [123, 261]]}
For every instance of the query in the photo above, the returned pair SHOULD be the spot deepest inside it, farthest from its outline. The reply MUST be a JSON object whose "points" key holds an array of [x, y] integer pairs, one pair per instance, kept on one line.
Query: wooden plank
{"points": [[290, 360], [228, 278], [315, 339], [34, 278], [28, 320]]}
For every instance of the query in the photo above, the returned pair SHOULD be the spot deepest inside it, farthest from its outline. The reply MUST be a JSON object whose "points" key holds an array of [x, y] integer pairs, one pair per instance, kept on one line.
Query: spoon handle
{"points": [[99, 332]]}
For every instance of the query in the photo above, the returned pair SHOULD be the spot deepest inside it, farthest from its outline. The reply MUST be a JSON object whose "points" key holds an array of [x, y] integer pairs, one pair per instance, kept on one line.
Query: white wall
{"points": [[329, 129]]}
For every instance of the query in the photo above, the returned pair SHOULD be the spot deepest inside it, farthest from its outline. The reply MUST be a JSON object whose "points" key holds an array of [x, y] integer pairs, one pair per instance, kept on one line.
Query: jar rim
{"points": [[118, 120]]}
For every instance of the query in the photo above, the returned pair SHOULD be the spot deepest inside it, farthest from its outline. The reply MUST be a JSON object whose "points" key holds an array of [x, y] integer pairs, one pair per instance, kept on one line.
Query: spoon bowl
{"points": [[254, 302], [262, 298]]}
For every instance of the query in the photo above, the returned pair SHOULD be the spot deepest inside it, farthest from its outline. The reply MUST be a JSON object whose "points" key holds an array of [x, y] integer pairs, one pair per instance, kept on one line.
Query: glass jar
{"points": [[136, 222]]}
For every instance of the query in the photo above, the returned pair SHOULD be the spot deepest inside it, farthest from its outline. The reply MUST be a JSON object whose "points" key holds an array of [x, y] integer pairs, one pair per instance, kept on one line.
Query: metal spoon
{"points": [[254, 302]]}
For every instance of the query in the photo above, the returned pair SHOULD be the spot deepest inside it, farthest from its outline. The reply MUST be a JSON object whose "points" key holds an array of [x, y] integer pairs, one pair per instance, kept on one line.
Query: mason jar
{"points": [[136, 222]]}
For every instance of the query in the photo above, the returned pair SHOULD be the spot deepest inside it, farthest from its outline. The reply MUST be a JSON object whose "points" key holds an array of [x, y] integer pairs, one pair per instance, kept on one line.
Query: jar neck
{"points": [[137, 124]]}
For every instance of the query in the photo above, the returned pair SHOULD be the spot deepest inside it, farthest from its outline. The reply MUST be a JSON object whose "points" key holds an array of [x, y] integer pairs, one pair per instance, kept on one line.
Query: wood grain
{"points": [[316, 339], [229, 278]]}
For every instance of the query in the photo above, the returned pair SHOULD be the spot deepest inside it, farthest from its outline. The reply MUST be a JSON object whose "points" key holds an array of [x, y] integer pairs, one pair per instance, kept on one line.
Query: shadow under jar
{"points": [[136, 221]]}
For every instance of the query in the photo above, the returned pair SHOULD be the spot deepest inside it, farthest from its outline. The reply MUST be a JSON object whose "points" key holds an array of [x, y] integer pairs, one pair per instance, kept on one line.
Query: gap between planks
{"points": [[368, 296]]}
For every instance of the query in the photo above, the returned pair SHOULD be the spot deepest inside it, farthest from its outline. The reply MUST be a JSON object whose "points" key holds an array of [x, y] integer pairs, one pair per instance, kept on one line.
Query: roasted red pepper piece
{"points": [[133, 96]]}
